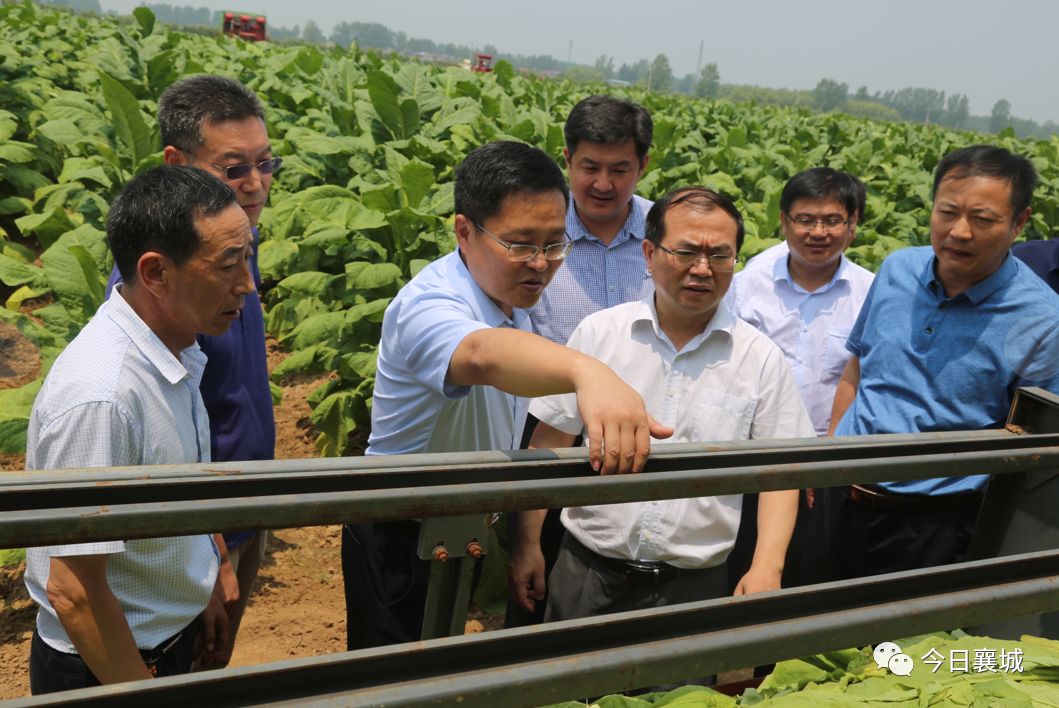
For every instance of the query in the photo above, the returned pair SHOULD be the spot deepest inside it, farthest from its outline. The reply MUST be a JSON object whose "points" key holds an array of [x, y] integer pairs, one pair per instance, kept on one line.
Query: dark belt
{"points": [[641, 571], [151, 657], [883, 500]]}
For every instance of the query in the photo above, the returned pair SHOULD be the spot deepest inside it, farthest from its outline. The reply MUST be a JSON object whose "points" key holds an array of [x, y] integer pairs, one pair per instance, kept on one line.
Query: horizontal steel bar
{"points": [[401, 470], [578, 658], [45, 525]]}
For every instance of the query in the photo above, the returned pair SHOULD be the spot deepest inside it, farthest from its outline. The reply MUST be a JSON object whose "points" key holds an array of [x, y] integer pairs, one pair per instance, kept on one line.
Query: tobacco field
{"points": [[364, 198]]}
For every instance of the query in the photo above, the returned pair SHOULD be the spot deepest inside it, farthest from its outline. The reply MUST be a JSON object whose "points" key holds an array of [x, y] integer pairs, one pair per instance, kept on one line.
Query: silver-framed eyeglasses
{"points": [[828, 223], [718, 262], [527, 251]]}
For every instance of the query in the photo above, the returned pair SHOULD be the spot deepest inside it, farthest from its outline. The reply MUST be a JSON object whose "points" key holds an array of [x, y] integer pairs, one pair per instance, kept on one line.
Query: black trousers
{"points": [[51, 670], [852, 541], [385, 583]]}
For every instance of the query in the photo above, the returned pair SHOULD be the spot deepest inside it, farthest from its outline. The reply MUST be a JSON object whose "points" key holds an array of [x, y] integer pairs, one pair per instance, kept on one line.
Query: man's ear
{"points": [[648, 252], [464, 227], [175, 156], [152, 273], [643, 163], [1021, 221], [566, 157]]}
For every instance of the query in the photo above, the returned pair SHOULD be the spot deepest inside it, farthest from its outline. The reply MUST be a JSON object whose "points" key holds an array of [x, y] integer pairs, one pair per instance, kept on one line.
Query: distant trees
{"points": [[661, 76], [605, 65], [79, 5], [584, 74], [1001, 115], [709, 83], [312, 33], [830, 94], [634, 73]]}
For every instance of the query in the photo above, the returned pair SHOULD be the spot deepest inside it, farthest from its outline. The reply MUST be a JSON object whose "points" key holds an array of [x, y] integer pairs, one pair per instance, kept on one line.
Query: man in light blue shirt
{"points": [[607, 140], [945, 337], [805, 295], [457, 360], [126, 392]]}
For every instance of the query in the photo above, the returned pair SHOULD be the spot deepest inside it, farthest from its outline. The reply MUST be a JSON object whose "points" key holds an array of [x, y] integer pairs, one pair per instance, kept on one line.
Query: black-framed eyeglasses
{"points": [[718, 262], [829, 223], [242, 170], [527, 251]]}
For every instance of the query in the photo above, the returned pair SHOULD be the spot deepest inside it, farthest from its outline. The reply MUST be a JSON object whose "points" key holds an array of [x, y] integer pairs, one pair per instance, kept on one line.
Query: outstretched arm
{"points": [[617, 425]]}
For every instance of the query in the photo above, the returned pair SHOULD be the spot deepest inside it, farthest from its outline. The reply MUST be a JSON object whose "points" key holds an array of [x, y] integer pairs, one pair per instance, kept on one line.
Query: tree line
{"points": [[914, 104]]}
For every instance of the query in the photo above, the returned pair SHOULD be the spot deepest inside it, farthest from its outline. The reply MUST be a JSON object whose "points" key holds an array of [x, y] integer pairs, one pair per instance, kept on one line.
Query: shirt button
{"points": [[930, 330], [610, 288], [941, 306]]}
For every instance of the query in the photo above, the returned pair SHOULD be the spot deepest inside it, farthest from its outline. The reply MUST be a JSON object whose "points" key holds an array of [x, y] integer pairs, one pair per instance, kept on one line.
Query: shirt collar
{"points": [[634, 227], [192, 360], [781, 271], [490, 313], [980, 290], [723, 321]]}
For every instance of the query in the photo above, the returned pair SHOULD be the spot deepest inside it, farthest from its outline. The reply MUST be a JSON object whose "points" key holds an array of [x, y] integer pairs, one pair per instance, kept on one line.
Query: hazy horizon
{"points": [[958, 47]]}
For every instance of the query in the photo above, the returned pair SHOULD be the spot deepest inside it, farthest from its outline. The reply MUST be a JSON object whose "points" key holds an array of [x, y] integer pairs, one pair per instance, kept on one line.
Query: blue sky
{"points": [[987, 50]]}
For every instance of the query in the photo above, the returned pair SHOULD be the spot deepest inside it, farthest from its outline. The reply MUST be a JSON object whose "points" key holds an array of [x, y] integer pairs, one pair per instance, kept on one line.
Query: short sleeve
{"points": [[560, 411], [780, 411], [95, 434], [855, 343], [427, 331]]}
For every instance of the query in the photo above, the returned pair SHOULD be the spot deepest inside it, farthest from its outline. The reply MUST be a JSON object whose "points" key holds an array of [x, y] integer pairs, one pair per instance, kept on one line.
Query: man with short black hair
{"points": [[946, 335], [607, 144], [457, 361], [805, 295], [126, 392], [711, 377], [218, 124]]}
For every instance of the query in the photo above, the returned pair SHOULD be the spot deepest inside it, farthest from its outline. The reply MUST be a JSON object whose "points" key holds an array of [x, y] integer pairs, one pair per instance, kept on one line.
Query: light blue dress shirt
{"points": [[810, 327], [930, 362], [117, 396], [413, 409], [594, 276]]}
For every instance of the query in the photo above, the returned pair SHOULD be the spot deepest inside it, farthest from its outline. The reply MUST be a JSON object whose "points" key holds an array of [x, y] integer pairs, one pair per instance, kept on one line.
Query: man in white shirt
{"points": [[708, 375], [457, 361], [126, 392], [805, 295]]}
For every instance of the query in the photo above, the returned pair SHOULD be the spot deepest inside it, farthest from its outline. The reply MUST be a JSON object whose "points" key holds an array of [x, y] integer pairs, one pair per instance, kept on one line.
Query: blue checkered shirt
{"points": [[594, 276]]}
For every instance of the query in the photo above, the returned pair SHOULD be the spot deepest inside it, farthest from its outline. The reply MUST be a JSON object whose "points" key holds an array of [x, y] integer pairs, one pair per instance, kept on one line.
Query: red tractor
{"points": [[483, 63], [249, 27]]}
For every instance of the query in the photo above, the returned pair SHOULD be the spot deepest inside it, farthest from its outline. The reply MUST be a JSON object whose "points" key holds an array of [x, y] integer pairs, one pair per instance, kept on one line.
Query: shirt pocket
{"points": [[836, 356], [723, 417]]}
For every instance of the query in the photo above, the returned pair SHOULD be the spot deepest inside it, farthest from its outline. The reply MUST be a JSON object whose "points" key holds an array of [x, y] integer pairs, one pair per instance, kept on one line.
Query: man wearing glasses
{"points": [[702, 371], [607, 143], [457, 361], [805, 295], [218, 125]]}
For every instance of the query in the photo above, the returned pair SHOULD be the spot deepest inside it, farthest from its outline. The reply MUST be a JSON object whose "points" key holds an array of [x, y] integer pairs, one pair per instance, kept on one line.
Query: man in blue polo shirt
{"points": [[946, 335], [457, 361], [218, 125]]}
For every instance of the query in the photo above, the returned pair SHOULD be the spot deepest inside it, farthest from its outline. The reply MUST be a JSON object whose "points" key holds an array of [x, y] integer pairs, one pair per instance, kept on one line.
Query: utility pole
{"points": [[570, 53], [698, 67]]}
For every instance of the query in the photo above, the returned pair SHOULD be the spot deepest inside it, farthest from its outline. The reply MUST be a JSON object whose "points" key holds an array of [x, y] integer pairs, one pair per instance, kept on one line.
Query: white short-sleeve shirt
{"points": [[413, 409], [728, 383], [810, 327], [117, 396]]}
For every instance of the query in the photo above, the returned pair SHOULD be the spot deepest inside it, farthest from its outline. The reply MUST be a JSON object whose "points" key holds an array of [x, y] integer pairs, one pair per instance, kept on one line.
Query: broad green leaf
{"points": [[13, 434], [145, 17], [400, 117], [17, 153], [13, 272], [310, 283], [372, 276], [416, 265], [335, 418], [417, 179], [21, 295], [8, 124], [319, 328], [9, 206], [48, 226], [22, 179], [128, 121], [62, 131]]}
